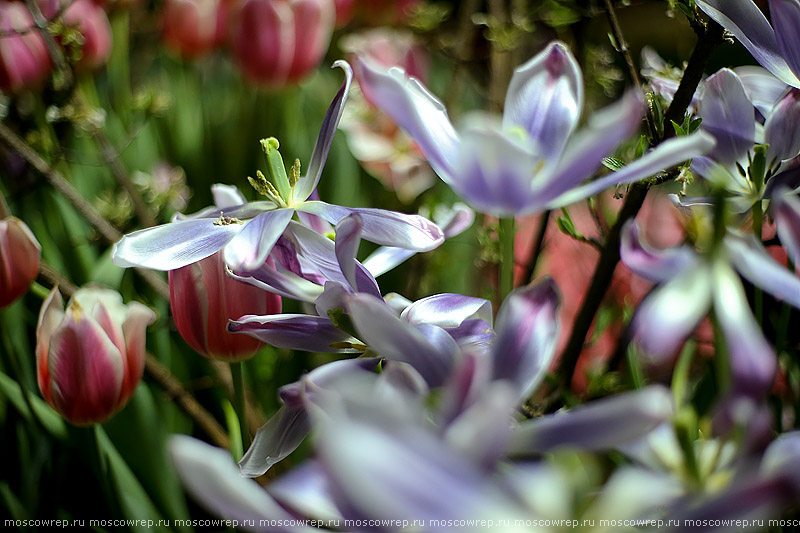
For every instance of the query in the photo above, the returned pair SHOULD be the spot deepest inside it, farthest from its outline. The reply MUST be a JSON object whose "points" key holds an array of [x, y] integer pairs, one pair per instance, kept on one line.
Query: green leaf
{"points": [[641, 146], [612, 163], [50, 419], [679, 131], [234, 433], [133, 499]]}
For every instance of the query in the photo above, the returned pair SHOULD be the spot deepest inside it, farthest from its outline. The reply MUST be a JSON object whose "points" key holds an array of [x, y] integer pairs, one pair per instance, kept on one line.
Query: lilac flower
{"points": [[532, 160], [776, 48], [739, 164], [247, 232], [690, 284]]}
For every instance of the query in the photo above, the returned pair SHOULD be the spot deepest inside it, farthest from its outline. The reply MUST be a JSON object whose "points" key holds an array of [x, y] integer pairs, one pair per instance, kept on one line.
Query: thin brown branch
{"points": [[123, 179], [56, 54], [87, 210], [622, 46], [610, 256]]}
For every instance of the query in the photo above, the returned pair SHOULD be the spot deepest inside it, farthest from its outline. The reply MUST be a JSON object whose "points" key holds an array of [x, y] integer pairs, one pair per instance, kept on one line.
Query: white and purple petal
{"points": [[250, 247], [786, 211], [754, 263], [653, 265], [174, 245], [728, 115], [781, 132], [746, 21], [275, 440], [293, 331], [545, 98], [785, 16], [447, 310], [526, 335], [308, 184], [389, 228]]}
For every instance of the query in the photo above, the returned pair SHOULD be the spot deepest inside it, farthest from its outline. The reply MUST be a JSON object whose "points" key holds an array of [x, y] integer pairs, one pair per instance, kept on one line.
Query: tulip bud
{"points": [[92, 22], [91, 357], [24, 60], [193, 28], [344, 11], [204, 298], [19, 259], [277, 42]]}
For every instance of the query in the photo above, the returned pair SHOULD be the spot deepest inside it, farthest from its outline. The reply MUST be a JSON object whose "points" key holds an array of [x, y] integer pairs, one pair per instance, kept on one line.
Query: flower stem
{"points": [[506, 257], [238, 402]]}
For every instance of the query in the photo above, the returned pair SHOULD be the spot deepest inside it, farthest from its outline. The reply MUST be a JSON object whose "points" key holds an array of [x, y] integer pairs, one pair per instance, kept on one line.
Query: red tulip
{"points": [[19, 259], [344, 11], [193, 28], [24, 60], [278, 42], [91, 357], [203, 299]]}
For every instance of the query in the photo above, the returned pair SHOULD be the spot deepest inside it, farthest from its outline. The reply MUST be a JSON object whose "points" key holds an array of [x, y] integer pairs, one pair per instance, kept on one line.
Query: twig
{"points": [[52, 47], [610, 256], [538, 245], [622, 46], [186, 401], [22, 31], [121, 176], [109, 232]]}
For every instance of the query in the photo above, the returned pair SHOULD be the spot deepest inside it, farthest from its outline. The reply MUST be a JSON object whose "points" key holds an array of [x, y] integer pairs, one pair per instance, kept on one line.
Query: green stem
{"points": [[758, 295], [238, 402], [506, 257]]}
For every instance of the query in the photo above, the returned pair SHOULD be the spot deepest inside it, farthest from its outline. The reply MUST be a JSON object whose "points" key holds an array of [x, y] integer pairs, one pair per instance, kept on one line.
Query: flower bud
{"points": [[91, 357], [19, 259], [278, 42], [204, 298], [24, 60], [193, 28]]}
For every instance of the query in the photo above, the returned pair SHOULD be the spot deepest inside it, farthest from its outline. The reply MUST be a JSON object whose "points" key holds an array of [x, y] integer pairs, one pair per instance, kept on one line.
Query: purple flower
{"points": [[776, 48], [247, 232], [532, 160], [690, 284]]}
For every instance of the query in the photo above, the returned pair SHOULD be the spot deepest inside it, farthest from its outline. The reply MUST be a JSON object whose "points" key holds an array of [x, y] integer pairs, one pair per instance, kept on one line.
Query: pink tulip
{"points": [[19, 259], [193, 28], [24, 60], [91, 21], [91, 357], [345, 9], [279, 42], [203, 299]]}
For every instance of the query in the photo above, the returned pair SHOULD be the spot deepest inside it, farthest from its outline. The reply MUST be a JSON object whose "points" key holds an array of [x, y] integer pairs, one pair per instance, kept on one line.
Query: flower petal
{"points": [[280, 281], [174, 245], [598, 425], [447, 310], [384, 227], [495, 170], [308, 183], [743, 19], [785, 16], [786, 210], [305, 490], [397, 340], [780, 130], [584, 155], [250, 247], [728, 115], [752, 359], [664, 156], [211, 476], [275, 440], [653, 265], [762, 88], [757, 266], [526, 335], [409, 104], [295, 332], [669, 314], [545, 97], [348, 238], [226, 196]]}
